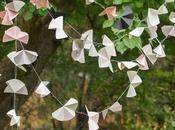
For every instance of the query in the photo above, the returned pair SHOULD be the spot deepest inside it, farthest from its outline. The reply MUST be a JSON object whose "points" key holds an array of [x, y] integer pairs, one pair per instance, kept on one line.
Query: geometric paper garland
{"points": [[105, 54]]}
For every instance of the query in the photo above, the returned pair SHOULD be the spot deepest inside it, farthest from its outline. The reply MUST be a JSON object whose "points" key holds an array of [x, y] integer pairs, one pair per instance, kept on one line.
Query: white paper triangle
{"points": [[93, 120], [134, 78], [15, 120], [131, 92], [42, 89], [116, 107], [66, 112], [137, 32], [16, 86], [159, 51], [25, 57], [127, 64], [172, 17], [78, 51], [57, 24]]}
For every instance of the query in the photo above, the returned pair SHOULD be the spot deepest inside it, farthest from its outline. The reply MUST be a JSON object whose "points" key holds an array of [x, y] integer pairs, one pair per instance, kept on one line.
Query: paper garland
{"points": [[11, 12], [26, 57]]}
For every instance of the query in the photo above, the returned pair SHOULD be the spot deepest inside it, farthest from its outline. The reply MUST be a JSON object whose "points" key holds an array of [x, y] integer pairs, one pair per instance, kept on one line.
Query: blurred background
{"points": [[152, 109]]}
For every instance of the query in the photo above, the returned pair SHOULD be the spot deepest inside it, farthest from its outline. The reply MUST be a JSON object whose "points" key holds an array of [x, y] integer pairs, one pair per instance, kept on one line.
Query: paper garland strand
{"points": [[68, 110]]}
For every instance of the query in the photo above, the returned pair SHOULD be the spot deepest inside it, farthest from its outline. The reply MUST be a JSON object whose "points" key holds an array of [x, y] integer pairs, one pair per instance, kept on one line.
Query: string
{"points": [[50, 91], [99, 4]]}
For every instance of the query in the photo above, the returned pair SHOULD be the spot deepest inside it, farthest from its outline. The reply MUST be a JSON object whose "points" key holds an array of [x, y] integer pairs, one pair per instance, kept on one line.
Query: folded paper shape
{"points": [[127, 64], [88, 39], [134, 78], [5, 19], [15, 33], [57, 24], [93, 52], [110, 48], [104, 59], [42, 89], [40, 3], [153, 15], [25, 57], [11, 56], [67, 111], [11, 11], [143, 65], [168, 30], [104, 113], [16, 86], [160, 53], [131, 92], [148, 51], [88, 2], [152, 30], [137, 32], [162, 9], [15, 120], [78, 51], [125, 20], [93, 119], [172, 17], [110, 12], [116, 107]]}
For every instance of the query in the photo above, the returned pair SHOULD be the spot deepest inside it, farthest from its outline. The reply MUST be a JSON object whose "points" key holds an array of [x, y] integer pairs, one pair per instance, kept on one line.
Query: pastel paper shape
{"points": [[67, 111], [110, 12], [15, 120], [143, 65], [25, 57], [88, 39], [162, 9], [88, 2], [160, 53], [42, 89], [11, 56], [125, 20], [152, 30], [116, 107], [93, 52], [16, 86], [57, 24], [104, 113], [137, 32], [11, 11], [40, 3], [172, 17], [134, 78], [104, 59], [131, 92], [15, 5], [126, 64], [15, 33], [153, 17], [110, 48], [168, 30], [147, 49], [5, 18], [78, 51], [93, 119]]}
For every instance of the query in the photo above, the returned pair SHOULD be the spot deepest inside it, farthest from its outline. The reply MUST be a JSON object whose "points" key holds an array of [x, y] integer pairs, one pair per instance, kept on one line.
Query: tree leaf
{"points": [[108, 23]]}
